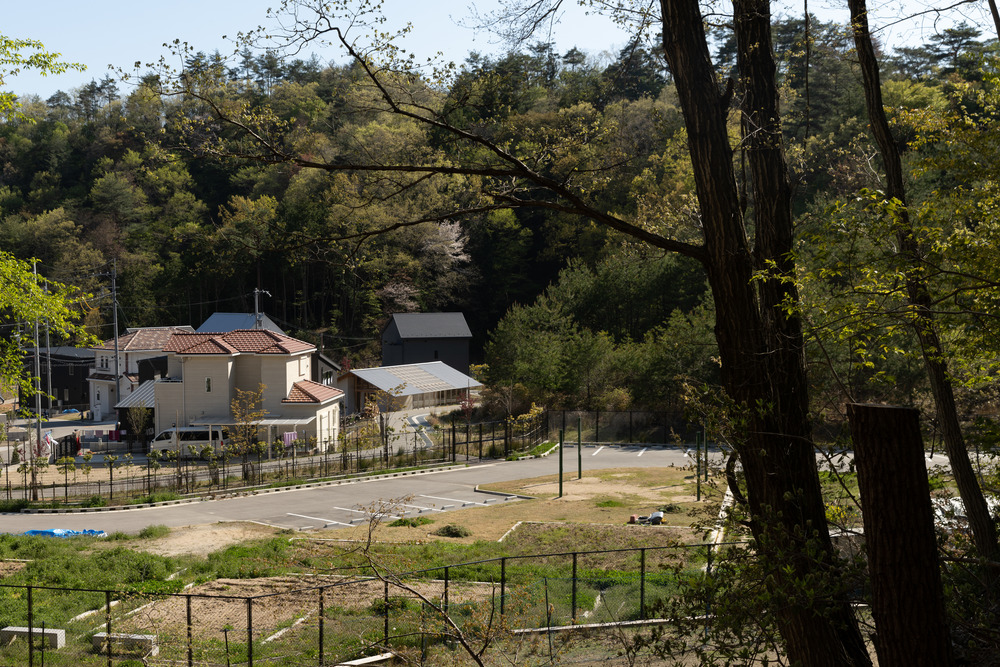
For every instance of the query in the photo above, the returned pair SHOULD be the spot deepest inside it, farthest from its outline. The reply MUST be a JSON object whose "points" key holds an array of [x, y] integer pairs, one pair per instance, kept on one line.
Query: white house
{"points": [[137, 345], [204, 371]]}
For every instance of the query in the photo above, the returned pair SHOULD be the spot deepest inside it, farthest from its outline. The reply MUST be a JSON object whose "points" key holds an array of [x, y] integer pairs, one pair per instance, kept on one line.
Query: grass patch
{"points": [[541, 449], [260, 558], [95, 501], [610, 503], [158, 497], [154, 532], [411, 522]]}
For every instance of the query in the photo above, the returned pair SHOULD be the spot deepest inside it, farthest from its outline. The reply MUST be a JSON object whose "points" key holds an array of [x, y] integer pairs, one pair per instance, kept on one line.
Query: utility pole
{"points": [[38, 384], [114, 318], [48, 359]]}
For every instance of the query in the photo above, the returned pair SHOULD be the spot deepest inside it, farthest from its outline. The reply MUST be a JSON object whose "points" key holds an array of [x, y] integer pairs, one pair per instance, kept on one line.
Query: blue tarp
{"points": [[65, 532]]}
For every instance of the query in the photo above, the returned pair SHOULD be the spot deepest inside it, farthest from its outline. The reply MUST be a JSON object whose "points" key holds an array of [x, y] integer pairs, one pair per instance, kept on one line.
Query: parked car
{"points": [[189, 441]]}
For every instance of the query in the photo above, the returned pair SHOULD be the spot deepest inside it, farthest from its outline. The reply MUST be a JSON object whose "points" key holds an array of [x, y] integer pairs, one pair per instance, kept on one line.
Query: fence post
{"points": [[480, 441], [190, 633], [573, 599], [445, 600], [322, 610], [642, 584], [597, 427], [630, 427], [107, 622], [503, 583], [31, 632], [385, 629], [579, 447], [250, 632], [561, 462]]}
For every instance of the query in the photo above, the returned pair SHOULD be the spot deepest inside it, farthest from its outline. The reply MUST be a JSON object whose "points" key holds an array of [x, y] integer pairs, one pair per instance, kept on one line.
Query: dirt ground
{"points": [[203, 539], [606, 497]]}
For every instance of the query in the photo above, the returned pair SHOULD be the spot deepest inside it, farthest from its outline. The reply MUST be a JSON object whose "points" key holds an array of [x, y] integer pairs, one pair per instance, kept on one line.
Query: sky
{"points": [[99, 33]]}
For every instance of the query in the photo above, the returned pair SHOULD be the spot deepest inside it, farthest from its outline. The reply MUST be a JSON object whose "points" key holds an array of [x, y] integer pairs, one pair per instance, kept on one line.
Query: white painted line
{"points": [[316, 518], [422, 509], [346, 509], [452, 500], [598, 450], [643, 451]]}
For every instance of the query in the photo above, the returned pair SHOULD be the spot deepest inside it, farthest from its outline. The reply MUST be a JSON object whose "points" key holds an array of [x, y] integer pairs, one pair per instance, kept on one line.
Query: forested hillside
{"points": [[566, 311]]}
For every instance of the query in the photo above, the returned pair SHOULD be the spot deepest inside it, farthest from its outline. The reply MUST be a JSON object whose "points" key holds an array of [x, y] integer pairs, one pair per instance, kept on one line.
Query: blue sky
{"points": [[119, 32], [99, 33]]}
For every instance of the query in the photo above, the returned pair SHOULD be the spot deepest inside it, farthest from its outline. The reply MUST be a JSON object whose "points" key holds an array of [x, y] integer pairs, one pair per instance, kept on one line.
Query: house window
{"points": [[98, 395], [208, 385], [69, 369], [302, 365]]}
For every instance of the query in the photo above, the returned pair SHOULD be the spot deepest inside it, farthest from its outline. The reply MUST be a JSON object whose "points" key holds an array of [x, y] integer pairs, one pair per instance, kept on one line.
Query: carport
{"points": [[270, 423]]}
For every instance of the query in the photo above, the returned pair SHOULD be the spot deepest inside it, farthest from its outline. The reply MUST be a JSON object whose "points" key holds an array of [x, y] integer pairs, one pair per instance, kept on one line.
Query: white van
{"points": [[190, 441]]}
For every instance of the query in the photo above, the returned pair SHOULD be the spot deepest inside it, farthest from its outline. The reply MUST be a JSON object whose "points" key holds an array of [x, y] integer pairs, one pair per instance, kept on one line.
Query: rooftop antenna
{"points": [[258, 317]]}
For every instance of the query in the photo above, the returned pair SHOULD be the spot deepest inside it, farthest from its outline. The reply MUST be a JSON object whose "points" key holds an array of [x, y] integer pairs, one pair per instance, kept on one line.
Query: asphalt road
{"points": [[337, 505], [349, 503]]}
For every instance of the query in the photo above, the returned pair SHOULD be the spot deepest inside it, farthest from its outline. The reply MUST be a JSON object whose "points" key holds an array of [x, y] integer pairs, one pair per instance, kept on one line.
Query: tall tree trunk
{"points": [[907, 600], [763, 367], [983, 529]]}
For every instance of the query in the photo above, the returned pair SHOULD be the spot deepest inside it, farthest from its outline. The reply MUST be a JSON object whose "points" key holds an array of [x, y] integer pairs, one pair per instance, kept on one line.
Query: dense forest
{"points": [[759, 219], [565, 312]]}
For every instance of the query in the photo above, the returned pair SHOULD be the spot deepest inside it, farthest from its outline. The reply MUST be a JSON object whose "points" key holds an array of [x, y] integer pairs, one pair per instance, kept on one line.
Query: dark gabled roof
{"points": [[431, 325], [222, 322], [247, 341], [83, 354]]}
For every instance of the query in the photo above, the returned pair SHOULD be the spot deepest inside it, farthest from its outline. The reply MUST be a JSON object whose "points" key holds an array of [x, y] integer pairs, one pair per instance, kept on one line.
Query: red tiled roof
{"points": [[198, 343], [248, 341], [308, 391], [146, 339]]}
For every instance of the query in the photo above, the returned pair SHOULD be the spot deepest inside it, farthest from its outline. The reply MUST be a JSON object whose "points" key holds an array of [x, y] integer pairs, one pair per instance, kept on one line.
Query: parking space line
{"points": [[347, 509], [598, 450], [452, 500], [422, 509], [316, 518], [643, 451]]}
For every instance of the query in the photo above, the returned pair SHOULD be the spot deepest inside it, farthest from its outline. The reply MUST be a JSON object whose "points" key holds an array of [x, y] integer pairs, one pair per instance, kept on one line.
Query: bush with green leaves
{"points": [[452, 530]]}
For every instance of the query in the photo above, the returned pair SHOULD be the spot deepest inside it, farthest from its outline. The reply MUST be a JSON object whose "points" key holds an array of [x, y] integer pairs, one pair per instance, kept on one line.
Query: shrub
{"points": [[13, 505], [453, 530], [94, 501]]}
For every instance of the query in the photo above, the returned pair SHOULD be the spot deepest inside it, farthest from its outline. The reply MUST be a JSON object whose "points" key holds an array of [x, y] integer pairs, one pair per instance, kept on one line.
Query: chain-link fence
{"points": [[119, 477], [626, 427], [324, 620]]}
